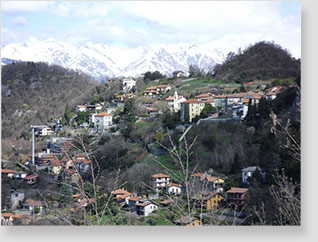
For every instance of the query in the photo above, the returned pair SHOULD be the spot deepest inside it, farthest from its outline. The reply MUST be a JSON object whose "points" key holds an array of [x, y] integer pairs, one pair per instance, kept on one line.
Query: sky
{"points": [[227, 25]]}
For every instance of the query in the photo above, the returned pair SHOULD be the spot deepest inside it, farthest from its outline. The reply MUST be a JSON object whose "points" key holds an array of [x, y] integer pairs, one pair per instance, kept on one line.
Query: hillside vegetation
{"points": [[262, 61], [34, 93]]}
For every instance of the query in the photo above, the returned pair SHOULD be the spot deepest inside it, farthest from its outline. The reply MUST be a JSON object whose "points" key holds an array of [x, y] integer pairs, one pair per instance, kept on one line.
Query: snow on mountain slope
{"points": [[101, 60]]}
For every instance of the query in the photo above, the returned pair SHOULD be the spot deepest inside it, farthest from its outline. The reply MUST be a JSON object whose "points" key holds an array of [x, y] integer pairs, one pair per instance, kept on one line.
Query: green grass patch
{"points": [[204, 81], [142, 124]]}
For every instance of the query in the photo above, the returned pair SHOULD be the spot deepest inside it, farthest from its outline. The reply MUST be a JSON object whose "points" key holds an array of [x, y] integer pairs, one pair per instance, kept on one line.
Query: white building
{"points": [[80, 108], [145, 207], [102, 121], [160, 181], [248, 172], [239, 111], [174, 102], [173, 188], [42, 130], [128, 84]]}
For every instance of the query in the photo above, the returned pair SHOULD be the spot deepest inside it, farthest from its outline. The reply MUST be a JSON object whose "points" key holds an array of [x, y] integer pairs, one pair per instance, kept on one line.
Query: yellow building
{"points": [[187, 221], [208, 200], [190, 109]]}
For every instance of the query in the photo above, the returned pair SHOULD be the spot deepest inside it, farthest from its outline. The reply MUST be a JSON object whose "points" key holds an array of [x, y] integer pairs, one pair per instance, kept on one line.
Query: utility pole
{"points": [[33, 145]]}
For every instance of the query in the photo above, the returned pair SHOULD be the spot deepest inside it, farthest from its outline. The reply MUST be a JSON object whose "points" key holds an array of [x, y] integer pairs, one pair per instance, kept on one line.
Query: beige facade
{"points": [[190, 109]]}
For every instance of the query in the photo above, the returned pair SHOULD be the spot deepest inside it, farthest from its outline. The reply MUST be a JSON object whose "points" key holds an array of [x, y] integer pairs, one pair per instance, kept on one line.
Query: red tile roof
{"points": [[7, 171], [119, 192], [237, 190], [7, 215], [173, 185], [102, 114], [30, 176], [192, 101], [127, 194], [133, 198], [160, 175]]}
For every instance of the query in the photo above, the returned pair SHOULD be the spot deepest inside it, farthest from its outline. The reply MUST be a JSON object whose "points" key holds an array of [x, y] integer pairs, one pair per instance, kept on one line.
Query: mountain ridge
{"points": [[101, 60]]}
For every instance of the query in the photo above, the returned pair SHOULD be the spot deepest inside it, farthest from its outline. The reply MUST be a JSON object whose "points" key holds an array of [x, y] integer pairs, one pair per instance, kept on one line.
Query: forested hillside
{"points": [[35, 93], [262, 61]]}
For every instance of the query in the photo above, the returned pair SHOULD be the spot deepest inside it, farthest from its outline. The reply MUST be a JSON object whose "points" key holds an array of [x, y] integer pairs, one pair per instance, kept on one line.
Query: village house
{"points": [[190, 109], [254, 97], [102, 122], [165, 203], [173, 188], [56, 166], [7, 173], [187, 221], [145, 207], [154, 90], [31, 179], [204, 182], [31, 204], [207, 200], [174, 102], [123, 199], [128, 84], [271, 93], [160, 181], [206, 98], [220, 102], [80, 108], [235, 196], [153, 112], [42, 130], [248, 172], [132, 203], [10, 219], [95, 107], [124, 97], [178, 74]]}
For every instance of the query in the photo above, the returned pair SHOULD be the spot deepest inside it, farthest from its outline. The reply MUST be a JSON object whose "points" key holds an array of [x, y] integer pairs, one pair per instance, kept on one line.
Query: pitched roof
{"points": [[192, 101], [56, 163], [252, 168], [208, 94], [102, 114], [237, 190], [30, 176], [119, 192], [166, 201], [152, 87], [171, 184], [162, 86], [7, 215], [197, 174], [212, 178], [133, 198], [7, 171], [160, 175], [143, 204], [171, 98], [153, 109], [127, 194]]}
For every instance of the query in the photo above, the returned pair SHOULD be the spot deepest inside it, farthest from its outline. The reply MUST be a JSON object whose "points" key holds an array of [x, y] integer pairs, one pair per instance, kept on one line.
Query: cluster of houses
{"points": [[157, 90], [236, 103]]}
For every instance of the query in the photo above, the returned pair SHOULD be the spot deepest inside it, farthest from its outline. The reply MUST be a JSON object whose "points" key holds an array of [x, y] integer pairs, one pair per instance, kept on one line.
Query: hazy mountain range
{"points": [[102, 61]]}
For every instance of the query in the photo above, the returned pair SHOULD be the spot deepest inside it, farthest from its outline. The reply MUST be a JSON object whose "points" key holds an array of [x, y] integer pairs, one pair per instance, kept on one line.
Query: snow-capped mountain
{"points": [[100, 60]]}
